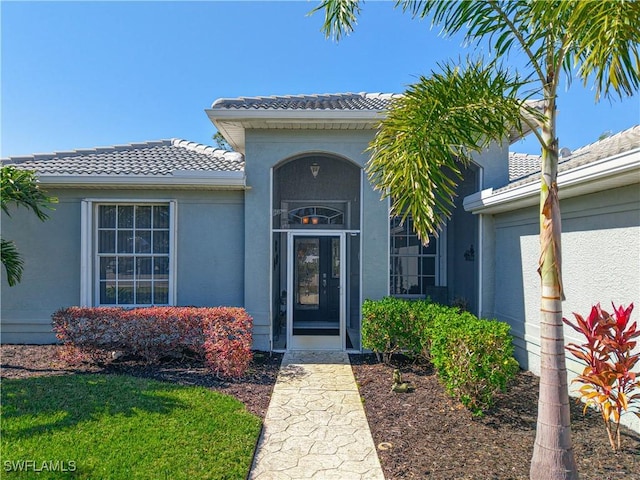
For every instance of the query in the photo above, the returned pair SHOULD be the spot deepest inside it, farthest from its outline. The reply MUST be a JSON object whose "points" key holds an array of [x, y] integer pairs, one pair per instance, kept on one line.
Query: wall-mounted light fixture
{"points": [[315, 169], [470, 255]]}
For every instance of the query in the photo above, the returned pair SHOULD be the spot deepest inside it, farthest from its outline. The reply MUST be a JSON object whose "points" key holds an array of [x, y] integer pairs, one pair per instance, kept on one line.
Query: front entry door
{"points": [[316, 278]]}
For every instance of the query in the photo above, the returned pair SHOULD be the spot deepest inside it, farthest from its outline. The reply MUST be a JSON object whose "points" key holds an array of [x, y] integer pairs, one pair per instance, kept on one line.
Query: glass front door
{"points": [[316, 277]]}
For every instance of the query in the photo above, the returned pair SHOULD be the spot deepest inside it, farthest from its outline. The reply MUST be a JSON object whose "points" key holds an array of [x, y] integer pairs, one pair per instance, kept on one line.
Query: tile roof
{"points": [[156, 158], [525, 168], [337, 101]]}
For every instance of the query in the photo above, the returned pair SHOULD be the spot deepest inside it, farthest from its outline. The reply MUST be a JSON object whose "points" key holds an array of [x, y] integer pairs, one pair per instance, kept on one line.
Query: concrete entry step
{"points": [[315, 427]]}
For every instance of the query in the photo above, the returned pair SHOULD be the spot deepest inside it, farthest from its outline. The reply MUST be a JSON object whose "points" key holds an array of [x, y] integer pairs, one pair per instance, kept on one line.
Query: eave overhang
{"points": [[233, 123], [613, 172], [178, 180]]}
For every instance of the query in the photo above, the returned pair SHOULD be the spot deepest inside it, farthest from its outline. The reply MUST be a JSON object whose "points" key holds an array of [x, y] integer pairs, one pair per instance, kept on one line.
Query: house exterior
{"points": [[599, 189], [288, 226]]}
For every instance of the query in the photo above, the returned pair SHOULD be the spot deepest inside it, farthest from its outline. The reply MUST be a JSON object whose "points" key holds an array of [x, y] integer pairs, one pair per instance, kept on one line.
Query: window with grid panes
{"points": [[413, 265], [133, 254]]}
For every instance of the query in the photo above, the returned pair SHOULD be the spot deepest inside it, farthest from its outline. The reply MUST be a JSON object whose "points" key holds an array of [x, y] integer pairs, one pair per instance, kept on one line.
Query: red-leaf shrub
{"points": [[610, 384], [227, 343], [156, 332]]}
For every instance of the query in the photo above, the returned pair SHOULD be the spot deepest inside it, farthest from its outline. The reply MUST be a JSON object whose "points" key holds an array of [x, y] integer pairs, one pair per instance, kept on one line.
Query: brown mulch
{"points": [[427, 435], [421, 435], [254, 389]]}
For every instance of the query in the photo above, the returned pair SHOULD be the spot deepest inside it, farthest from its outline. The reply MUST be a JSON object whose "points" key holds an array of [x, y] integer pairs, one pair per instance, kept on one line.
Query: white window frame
{"points": [[89, 281]]}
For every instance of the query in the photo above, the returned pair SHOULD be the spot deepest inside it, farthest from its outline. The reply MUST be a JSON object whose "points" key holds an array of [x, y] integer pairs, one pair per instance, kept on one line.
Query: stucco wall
{"points": [[266, 149], [601, 263], [209, 266]]}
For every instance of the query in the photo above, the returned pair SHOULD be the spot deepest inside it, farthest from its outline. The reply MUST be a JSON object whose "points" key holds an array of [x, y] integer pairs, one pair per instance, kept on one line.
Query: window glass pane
{"points": [[399, 242], [307, 273], [429, 266], [143, 268], [125, 268], [414, 286], [161, 293], [133, 254], [106, 241], [161, 268], [161, 217], [107, 293], [125, 241], [143, 217], [125, 293], [428, 282], [430, 249], [160, 242], [143, 241], [413, 265], [107, 268], [125, 216], [143, 293], [335, 258], [107, 216]]}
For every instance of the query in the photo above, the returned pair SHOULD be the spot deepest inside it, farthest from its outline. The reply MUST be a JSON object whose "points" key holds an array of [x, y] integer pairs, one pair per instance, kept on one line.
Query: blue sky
{"points": [[86, 74]]}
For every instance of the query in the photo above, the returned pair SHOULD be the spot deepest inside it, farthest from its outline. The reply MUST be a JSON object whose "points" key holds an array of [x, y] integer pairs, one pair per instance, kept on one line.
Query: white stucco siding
{"points": [[601, 264]]}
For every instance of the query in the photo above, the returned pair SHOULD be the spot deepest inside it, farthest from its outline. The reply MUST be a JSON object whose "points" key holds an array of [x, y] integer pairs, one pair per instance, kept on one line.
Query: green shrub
{"points": [[473, 358], [386, 328]]}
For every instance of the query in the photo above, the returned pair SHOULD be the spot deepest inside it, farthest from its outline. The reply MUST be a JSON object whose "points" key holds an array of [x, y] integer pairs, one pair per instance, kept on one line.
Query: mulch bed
{"points": [[421, 435], [427, 435], [254, 389]]}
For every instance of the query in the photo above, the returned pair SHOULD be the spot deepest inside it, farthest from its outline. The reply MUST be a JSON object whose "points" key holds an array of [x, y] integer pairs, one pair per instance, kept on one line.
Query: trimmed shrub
{"points": [[156, 332], [386, 328], [473, 358], [227, 343], [393, 325]]}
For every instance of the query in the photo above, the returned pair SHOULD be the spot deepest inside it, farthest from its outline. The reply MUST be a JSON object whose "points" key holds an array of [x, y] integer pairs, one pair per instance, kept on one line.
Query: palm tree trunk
{"points": [[552, 453]]}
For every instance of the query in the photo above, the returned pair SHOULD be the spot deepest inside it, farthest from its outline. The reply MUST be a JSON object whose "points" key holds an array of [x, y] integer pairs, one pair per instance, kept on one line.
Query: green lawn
{"points": [[120, 427]]}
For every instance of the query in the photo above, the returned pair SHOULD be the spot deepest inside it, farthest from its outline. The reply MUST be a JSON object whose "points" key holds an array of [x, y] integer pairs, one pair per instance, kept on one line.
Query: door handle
{"points": [[324, 283]]}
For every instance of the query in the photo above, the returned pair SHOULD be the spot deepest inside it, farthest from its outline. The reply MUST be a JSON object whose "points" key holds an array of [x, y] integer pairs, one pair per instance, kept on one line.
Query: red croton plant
{"points": [[610, 385]]}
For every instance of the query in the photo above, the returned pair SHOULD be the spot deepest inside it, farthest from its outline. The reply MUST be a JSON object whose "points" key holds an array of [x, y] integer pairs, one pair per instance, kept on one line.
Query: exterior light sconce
{"points": [[315, 169], [470, 255]]}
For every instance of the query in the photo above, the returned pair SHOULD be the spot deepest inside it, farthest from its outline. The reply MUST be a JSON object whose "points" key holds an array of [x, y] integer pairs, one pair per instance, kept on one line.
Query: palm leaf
{"points": [[340, 17], [430, 134], [11, 261]]}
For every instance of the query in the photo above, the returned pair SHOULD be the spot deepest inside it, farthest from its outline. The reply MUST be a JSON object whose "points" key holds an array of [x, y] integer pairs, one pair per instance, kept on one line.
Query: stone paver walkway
{"points": [[315, 427]]}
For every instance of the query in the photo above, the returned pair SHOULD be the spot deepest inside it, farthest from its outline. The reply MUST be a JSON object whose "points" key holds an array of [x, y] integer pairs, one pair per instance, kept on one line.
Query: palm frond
{"points": [[431, 133], [606, 45], [11, 261], [340, 17], [20, 188]]}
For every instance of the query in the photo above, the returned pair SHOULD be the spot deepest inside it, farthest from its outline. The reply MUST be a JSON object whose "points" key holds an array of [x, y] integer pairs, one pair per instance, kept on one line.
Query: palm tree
{"points": [[443, 119], [19, 188]]}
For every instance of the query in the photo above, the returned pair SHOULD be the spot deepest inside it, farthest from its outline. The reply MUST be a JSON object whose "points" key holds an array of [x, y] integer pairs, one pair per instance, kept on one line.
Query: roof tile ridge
{"points": [[78, 152], [613, 138], [205, 149]]}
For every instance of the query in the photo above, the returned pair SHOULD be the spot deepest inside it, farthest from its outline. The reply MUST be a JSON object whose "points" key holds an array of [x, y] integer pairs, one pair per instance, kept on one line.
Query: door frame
{"points": [[316, 342]]}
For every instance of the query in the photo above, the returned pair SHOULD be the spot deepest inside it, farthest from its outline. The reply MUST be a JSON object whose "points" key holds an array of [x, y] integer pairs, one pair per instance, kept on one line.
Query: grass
{"points": [[120, 427]]}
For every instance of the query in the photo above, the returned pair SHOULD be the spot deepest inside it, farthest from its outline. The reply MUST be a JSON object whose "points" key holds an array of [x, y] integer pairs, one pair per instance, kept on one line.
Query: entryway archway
{"points": [[316, 254]]}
